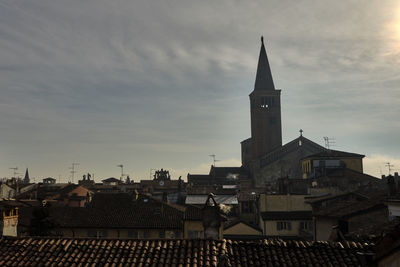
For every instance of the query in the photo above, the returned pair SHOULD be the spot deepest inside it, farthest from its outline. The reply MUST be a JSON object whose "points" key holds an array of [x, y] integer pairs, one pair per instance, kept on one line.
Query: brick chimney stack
{"points": [[391, 185]]}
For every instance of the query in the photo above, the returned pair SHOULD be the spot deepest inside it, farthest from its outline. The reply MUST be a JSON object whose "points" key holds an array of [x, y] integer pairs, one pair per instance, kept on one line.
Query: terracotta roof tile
{"points": [[96, 252]]}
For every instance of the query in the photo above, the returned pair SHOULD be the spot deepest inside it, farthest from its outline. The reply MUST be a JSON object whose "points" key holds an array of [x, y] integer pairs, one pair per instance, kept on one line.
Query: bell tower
{"points": [[265, 110]]}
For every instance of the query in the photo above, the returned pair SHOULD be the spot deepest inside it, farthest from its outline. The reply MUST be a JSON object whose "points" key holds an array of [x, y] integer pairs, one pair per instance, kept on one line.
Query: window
{"points": [[266, 102], [133, 234], [283, 226], [247, 207], [306, 225], [92, 233], [97, 233], [195, 234], [177, 234], [161, 234], [146, 234], [102, 233], [143, 234]]}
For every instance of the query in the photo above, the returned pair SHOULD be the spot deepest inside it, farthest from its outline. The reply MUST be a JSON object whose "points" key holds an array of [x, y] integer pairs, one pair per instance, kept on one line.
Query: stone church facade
{"points": [[263, 153]]}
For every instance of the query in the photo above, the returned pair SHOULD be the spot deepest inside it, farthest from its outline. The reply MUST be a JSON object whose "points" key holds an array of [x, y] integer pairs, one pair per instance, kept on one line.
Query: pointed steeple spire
{"points": [[26, 178], [264, 77]]}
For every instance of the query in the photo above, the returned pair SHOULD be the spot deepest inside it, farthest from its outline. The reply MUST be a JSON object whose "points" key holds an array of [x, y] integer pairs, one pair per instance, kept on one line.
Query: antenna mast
{"points": [[122, 170], [389, 166], [73, 170], [329, 142], [14, 171], [214, 160]]}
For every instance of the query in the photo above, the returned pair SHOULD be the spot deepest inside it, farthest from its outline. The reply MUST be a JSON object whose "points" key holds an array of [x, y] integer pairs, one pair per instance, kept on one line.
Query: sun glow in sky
{"points": [[397, 25], [393, 34]]}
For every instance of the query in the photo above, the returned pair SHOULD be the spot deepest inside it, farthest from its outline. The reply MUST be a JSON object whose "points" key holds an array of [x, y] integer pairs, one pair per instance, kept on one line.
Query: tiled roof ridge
{"points": [[267, 241], [187, 252], [335, 153], [365, 174]]}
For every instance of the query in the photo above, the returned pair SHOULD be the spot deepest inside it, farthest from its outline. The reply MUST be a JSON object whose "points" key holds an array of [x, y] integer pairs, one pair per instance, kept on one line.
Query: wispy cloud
{"points": [[167, 83]]}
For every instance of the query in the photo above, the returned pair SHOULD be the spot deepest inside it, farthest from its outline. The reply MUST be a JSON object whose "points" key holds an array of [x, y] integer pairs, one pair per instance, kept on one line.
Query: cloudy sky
{"points": [[164, 84]]}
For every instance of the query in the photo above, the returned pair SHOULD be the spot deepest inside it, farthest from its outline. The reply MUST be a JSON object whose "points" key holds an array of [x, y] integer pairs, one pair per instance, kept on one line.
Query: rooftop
{"points": [[114, 211], [111, 180], [112, 252], [352, 206], [330, 153]]}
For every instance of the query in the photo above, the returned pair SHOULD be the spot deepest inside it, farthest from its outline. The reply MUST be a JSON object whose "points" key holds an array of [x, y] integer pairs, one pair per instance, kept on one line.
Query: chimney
{"points": [[180, 184], [391, 185]]}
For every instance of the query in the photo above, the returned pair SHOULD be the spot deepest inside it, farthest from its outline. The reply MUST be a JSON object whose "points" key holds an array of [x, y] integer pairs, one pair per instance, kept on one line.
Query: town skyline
{"points": [[163, 91]]}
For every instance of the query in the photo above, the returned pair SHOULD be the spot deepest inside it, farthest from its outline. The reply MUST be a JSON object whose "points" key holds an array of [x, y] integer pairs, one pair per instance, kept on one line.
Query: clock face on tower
{"points": [[161, 183]]}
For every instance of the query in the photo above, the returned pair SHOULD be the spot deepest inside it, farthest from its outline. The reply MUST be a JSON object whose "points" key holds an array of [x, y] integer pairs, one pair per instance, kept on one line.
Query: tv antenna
{"points": [[72, 168], [390, 166], [14, 171], [122, 170], [214, 160], [329, 142]]}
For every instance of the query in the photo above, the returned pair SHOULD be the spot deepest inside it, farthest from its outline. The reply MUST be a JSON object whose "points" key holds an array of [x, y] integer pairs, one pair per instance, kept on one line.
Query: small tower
{"points": [[211, 218], [265, 110], [26, 178]]}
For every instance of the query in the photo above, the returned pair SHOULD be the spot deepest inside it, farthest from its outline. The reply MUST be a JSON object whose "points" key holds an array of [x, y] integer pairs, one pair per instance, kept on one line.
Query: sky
{"points": [[165, 84]]}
